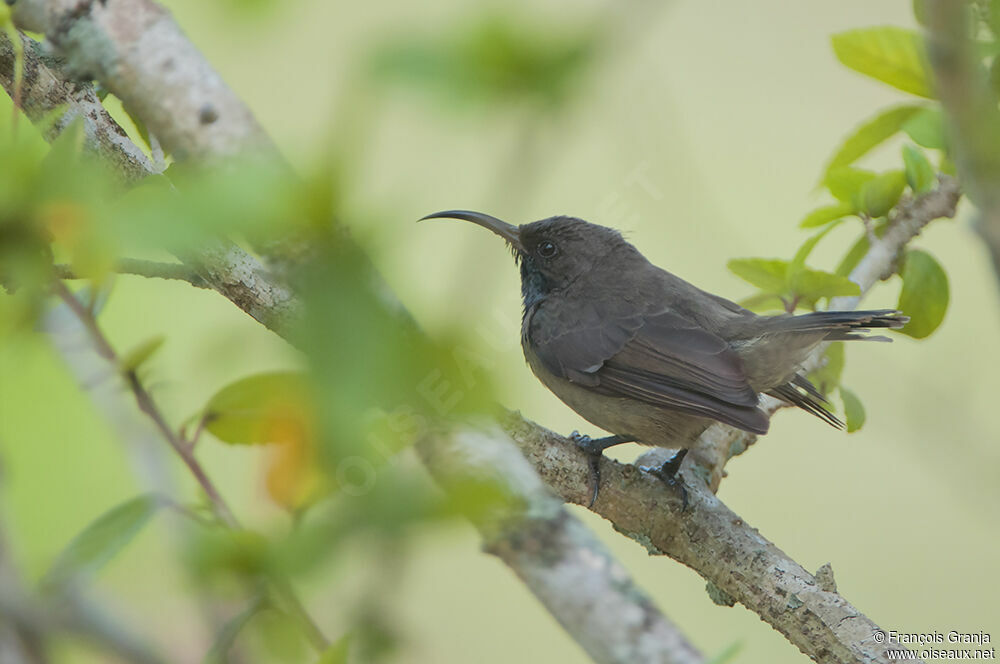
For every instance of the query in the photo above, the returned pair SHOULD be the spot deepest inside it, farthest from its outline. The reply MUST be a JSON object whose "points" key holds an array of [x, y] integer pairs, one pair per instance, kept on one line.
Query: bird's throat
{"points": [[534, 286]]}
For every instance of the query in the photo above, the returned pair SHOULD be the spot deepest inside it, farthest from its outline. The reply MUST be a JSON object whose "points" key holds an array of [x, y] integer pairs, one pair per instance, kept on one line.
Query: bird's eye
{"points": [[547, 250]]}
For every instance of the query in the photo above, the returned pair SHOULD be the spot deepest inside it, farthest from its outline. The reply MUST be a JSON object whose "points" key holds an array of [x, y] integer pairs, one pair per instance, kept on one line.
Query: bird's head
{"points": [[552, 252]]}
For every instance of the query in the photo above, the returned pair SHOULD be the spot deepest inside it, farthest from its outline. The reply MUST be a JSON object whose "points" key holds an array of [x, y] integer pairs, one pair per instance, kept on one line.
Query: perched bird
{"points": [[644, 354]]}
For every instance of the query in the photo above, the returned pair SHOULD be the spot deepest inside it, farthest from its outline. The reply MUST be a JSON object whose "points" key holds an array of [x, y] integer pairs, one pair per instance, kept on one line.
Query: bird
{"points": [[647, 356]]}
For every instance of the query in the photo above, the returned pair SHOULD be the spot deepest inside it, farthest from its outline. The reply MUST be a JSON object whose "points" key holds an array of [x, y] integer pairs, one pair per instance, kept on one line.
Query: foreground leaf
{"points": [[870, 134], [924, 297], [769, 275], [920, 174], [827, 377], [824, 215], [854, 410], [219, 653], [338, 651], [138, 355], [888, 54], [880, 194], [845, 183], [811, 285], [102, 540], [249, 411], [926, 128]]}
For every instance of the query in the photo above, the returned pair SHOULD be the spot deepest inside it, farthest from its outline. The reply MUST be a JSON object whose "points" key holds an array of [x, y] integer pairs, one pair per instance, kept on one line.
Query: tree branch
{"points": [[238, 276], [46, 90], [736, 559], [138, 52], [570, 572], [183, 448]]}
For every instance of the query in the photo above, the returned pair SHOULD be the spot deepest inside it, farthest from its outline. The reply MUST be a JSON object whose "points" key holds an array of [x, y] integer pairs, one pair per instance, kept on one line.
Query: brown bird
{"points": [[644, 354]]}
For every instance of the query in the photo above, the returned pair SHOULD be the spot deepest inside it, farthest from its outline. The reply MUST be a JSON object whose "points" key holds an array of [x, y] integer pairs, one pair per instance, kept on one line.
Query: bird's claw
{"points": [[669, 475], [594, 453]]}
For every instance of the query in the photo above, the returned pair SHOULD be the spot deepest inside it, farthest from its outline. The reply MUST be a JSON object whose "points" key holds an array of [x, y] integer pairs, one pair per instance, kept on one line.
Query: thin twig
{"points": [[148, 406]]}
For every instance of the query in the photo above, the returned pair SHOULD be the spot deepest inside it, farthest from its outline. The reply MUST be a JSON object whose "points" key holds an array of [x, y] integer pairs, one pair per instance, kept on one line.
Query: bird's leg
{"points": [[594, 448], [668, 473]]}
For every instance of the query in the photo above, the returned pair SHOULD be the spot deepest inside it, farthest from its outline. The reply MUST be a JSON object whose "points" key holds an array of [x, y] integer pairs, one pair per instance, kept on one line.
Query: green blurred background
{"points": [[701, 132]]}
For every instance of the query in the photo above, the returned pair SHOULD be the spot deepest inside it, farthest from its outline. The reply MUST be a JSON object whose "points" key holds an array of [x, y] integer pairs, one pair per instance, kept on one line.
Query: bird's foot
{"points": [[668, 473], [594, 449]]}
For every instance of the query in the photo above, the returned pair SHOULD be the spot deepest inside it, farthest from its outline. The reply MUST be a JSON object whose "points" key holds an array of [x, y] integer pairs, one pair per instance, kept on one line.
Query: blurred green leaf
{"points": [[241, 413], [219, 552], [853, 256], [845, 183], [920, 174], [993, 17], [138, 355], [280, 635], [827, 377], [728, 654], [812, 285], [219, 652], [763, 303], [869, 135], [337, 653], [926, 129], [860, 248], [854, 410], [769, 275], [102, 540], [799, 260], [880, 194], [824, 215], [924, 296], [889, 54], [497, 61]]}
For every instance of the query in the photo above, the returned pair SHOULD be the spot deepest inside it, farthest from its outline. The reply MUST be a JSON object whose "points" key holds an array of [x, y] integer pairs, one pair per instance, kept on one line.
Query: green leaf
{"points": [[993, 17], [920, 174], [888, 54], [926, 129], [498, 62], [870, 134], [845, 183], [769, 275], [880, 194], [799, 260], [853, 256], [728, 654], [219, 653], [811, 285], [824, 215], [239, 413], [924, 297], [337, 652], [102, 540], [827, 377], [854, 410], [138, 355], [763, 302]]}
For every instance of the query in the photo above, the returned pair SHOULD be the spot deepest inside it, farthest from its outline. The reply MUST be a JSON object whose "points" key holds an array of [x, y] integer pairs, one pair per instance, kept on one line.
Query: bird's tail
{"points": [[842, 325]]}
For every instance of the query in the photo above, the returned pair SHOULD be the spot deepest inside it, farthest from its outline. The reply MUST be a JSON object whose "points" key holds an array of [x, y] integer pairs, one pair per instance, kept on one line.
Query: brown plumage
{"points": [[646, 355]]}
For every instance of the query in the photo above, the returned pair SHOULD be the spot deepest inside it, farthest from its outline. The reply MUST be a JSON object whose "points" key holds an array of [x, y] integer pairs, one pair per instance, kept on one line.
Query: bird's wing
{"points": [[661, 358]]}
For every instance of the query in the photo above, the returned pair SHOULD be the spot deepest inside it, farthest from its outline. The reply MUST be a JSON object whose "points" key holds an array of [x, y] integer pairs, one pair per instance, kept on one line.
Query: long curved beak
{"points": [[507, 231]]}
